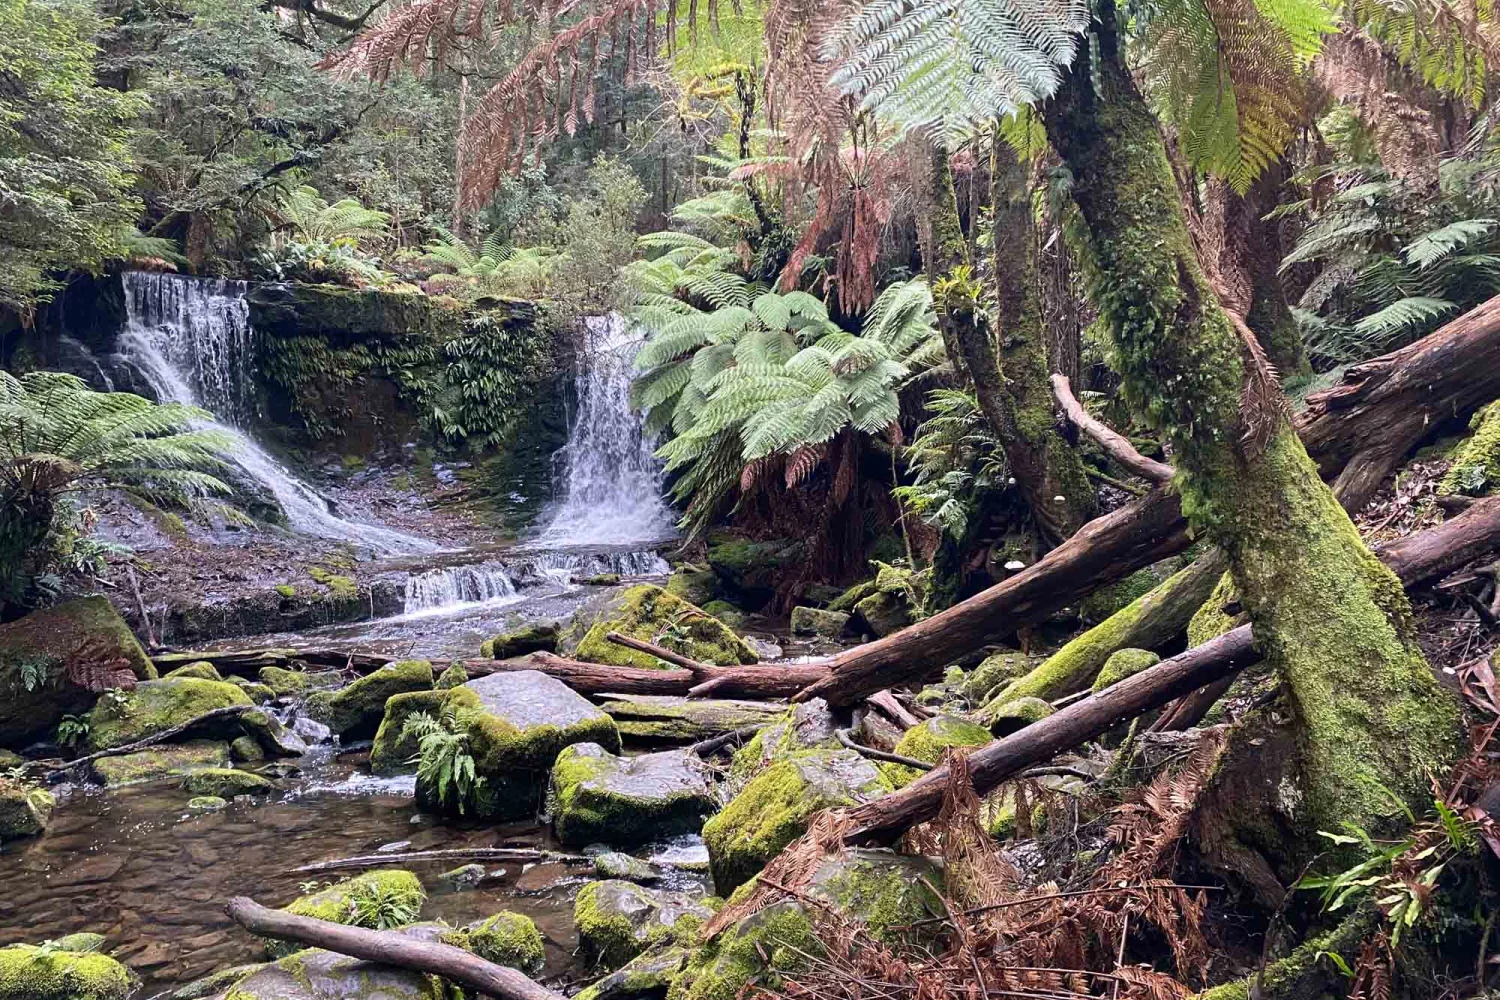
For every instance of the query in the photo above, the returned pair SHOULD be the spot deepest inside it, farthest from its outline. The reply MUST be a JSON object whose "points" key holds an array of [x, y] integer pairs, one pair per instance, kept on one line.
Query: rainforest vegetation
{"points": [[870, 498]]}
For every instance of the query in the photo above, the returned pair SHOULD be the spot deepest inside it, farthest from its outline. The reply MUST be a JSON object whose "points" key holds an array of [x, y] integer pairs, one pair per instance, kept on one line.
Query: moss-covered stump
{"points": [[648, 976], [340, 902], [31, 973], [315, 974], [696, 586], [506, 938], [1013, 716], [618, 920], [517, 724], [811, 621], [54, 662], [354, 712], [1123, 663], [928, 741], [649, 613], [155, 706], [226, 783], [24, 811], [996, 671], [393, 751], [541, 637], [773, 809], [600, 798], [1475, 470], [166, 761], [807, 725], [671, 719], [201, 669]]}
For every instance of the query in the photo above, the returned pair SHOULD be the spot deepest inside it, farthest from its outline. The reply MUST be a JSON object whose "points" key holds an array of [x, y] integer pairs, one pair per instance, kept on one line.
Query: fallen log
{"points": [[390, 948], [885, 819], [165, 736], [1115, 444], [450, 854], [1440, 550], [759, 682], [711, 746], [893, 709]]}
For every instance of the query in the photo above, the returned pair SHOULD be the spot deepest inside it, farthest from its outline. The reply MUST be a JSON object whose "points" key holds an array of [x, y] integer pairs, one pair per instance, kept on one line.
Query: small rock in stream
{"points": [[394, 847]]}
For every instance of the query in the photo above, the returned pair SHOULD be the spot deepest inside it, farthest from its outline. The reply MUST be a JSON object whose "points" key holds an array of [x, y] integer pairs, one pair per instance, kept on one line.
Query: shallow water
{"points": [[135, 866]]}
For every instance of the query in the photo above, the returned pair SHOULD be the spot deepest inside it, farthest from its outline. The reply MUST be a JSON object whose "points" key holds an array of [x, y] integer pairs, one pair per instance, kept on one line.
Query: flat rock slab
{"points": [[668, 719], [529, 698], [600, 798]]}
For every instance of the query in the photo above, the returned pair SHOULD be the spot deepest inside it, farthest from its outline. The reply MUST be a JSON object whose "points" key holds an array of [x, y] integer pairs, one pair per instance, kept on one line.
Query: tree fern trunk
{"points": [[1366, 708]]}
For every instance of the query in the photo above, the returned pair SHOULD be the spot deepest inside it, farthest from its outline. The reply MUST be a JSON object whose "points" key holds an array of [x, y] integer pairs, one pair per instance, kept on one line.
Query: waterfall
{"points": [[191, 341], [611, 482], [450, 587], [446, 589]]}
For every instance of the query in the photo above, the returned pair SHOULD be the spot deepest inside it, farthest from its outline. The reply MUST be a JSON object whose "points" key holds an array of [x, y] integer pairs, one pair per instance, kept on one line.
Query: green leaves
{"points": [[443, 761]]}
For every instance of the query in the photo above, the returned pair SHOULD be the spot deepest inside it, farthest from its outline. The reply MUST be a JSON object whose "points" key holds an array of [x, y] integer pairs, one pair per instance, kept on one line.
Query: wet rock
{"points": [[155, 706], [226, 783], [54, 662], [897, 598], [454, 676], [82, 943], [729, 615], [667, 719], [274, 739], [311, 730], [598, 796], [1123, 663], [1016, 715], [166, 761], [258, 693], [773, 809], [764, 648], [201, 669], [315, 974], [696, 586], [337, 903], [506, 938], [883, 613], [207, 804], [465, 875], [534, 638], [616, 864], [603, 580], [99, 868], [811, 621], [394, 847], [618, 920], [645, 977], [748, 571], [284, 682], [246, 750], [30, 973], [355, 712], [927, 742], [808, 725], [994, 672], [24, 811], [215, 983], [646, 612], [395, 750]]}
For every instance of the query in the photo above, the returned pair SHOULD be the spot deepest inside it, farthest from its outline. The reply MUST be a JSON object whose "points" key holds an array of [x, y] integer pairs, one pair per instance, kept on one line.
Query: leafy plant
{"points": [[955, 457], [443, 761], [33, 671], [378, 906], [72, 730]]}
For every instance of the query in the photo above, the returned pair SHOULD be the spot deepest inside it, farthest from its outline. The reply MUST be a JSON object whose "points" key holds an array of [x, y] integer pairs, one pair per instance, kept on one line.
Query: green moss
{"points": [[454, 676], [356, 711], [284, 682], [619, 920], [29, 973], [1018, 714], [658, 719], [339, 587], [1105, 601], [1307, 971], [337, 903], [726, 613], [258, 693], [157, 705], [600, 798], [215, 983], [1475, 469], [393, 753], [651, 613], [884, 612], [207, 803], [603, 580], [775, 942], [507, 938], [696, 586], [1210, 621], [539, 637], [160, 762], [226, 783], [649, 974], [927, 742], [806, 726], [24, 810], [849, 598], [201, 669], [246, 750], [995, 670], [286, 590], [1124, 663], [811, 621]]}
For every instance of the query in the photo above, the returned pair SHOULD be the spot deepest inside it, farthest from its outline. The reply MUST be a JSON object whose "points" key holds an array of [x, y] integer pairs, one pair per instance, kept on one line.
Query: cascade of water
{"points": [[454, 586], [191, 340], [612, 481]]}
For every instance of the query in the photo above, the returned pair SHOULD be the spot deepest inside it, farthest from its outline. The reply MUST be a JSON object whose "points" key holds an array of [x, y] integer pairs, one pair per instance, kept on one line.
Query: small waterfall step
{"points": [[499, 581]]}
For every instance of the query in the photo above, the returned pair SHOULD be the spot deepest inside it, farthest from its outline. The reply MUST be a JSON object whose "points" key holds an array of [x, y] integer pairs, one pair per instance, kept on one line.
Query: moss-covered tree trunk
{"points": [[1330, 617]]}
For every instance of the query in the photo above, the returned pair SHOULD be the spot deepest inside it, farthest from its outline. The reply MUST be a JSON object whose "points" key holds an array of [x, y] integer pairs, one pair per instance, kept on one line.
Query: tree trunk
{"points": [[1332, 620]]}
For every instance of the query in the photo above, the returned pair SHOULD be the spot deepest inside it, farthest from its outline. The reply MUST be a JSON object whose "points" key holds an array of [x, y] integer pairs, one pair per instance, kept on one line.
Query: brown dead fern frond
{"points": [[792, 869], [97, 666]]}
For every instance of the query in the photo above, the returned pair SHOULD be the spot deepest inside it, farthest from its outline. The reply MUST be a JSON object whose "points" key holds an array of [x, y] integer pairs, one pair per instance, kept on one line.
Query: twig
{"points": [[1115, 445], [452, 854], [870, 752], [140, 603], [660, 652], [164, 736], [705, 748], [1484, 613]]}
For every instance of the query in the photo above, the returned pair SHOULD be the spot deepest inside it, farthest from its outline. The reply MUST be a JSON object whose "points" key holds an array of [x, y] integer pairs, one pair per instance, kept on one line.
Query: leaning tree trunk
{"points": [[1330, 617]]}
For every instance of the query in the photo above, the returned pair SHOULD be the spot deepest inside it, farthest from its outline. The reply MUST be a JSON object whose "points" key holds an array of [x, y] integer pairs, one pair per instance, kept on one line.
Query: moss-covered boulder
{"points": [[215, 983], [773, 809], [245, 750], [727, 613], [671, 719], [883, 613], [258, 693], [31, 973], [539, 637], [927, 741], [598, 797], [286, 683], [54, 662], [355, 712], [24, 810], [506, 938], [650, 613], [454, 676], [9, 760], [201, 669], [395, 751], [226, 783], [807, 725], [517, 723], [849, 598], [648, 976], [811, 621], [164, 761], [696, 586], [1123, 663], [206, 804], [1475, 469], [1013, 716], [618, 920], [994, 672], [315, 974], [340, 903], [155, 706]]}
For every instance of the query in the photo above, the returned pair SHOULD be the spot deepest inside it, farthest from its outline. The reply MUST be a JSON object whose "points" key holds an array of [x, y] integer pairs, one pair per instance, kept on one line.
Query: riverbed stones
{"points": [[601, 798], [54, 662], [31, 973], [167, 761], [812, 621], [774, 808], [650, 613], [24, 810], [538, 637], [671, 719], [155, 706], [226, 783], [395, 889], [506, 938], [617, 864], [354, 713], [617, 920], [207, 804], [927, 741], [315, 974]]}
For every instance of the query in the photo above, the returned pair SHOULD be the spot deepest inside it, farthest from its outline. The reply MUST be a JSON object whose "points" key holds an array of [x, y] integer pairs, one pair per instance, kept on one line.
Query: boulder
{"points": [[892, 602], [672, 719], [883, 613], [274, 739], [215, 983], [155, 706], [245, 750], [808, 725], [994, 672], [616, 864], [339, 903], [1123, 663], [454, 676], [9, 760], [56, 661], [696, 586], [24, 810], [727, 613], [648, 976], [226, 783], [598, 797], [284, 682], [618, 920], [259, 693], [315, 974], [849, 598], [31, 973], [164, 761], [539, 637], [201, 669], [811, 621], [311, 731], [773, 809], [650, 613], [1016, 715], [354, 712], [506, 938], [750, 570], [206, 804], [395, 752], [928, 741]]}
